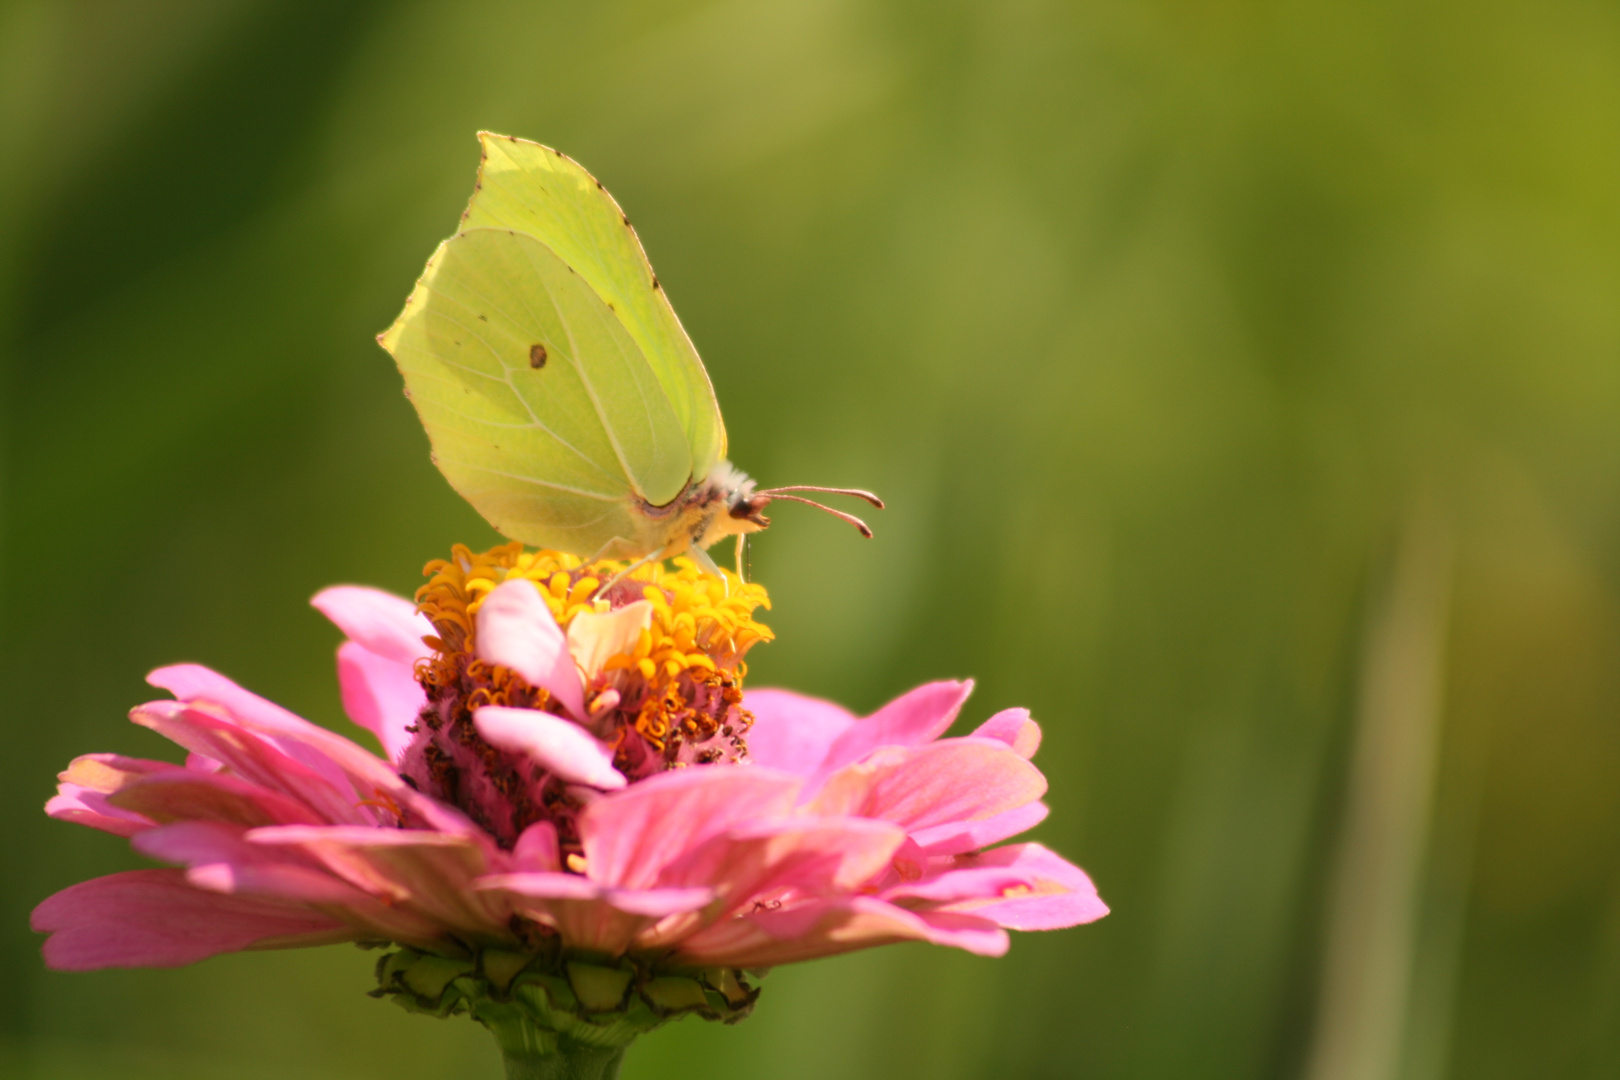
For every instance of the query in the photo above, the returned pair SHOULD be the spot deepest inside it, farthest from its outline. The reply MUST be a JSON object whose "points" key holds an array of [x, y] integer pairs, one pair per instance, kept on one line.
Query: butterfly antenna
{"points": [[853, 492], [839, 514]]}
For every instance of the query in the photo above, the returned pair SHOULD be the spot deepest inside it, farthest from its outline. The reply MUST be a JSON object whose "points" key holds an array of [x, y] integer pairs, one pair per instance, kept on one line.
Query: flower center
{"points": [[670, 700]]}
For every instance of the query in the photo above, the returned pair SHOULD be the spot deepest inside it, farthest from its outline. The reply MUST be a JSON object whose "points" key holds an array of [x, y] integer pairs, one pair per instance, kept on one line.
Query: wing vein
{"points": [[581, 492]]}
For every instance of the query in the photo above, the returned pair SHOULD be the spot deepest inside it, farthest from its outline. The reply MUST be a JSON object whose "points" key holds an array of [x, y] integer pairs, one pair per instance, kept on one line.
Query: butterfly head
{"points": [[740, 504]]}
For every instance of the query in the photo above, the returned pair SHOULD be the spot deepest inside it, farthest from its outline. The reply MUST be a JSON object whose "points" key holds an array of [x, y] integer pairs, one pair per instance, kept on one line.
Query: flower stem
{"points": [[578, 1062], [531, 1052]]}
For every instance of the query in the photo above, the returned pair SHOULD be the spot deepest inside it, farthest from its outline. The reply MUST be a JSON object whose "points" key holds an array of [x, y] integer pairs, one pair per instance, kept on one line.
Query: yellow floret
{"points": [[699, 621]]}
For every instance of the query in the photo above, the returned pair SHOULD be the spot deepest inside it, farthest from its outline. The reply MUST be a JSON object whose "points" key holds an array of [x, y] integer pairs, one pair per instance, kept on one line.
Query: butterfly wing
{"points": [[542, 409], [533, 189]]}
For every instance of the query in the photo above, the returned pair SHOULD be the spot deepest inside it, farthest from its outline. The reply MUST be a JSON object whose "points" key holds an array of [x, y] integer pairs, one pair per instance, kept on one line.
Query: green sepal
{"points": [[599, 989], [581, 1000], [675, 993], [429, 975], [501, 966], [731, 988]]}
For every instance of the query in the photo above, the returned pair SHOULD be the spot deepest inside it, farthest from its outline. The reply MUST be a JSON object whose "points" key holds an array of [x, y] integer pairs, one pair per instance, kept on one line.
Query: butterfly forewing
{"points": [[550, 452], [532, 189]]}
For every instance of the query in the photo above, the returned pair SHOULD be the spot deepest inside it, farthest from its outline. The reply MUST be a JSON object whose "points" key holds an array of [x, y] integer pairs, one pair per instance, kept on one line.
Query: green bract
{"points": [[560, 1018]]}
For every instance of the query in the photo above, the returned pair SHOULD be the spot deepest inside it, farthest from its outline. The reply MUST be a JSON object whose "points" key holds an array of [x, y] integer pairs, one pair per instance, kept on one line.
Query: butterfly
{"points": [[560, 394]]}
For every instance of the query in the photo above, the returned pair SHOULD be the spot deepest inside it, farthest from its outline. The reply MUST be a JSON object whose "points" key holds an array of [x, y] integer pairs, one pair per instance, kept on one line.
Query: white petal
{"points": [[594, 639]]}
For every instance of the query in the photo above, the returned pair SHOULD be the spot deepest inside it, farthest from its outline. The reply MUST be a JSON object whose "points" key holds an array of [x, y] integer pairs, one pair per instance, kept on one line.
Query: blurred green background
{"points": [[1244, 378]]}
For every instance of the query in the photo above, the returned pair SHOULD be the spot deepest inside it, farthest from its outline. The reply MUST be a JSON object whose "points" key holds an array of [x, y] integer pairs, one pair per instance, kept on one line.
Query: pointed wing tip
{"points": [[488, 138]]}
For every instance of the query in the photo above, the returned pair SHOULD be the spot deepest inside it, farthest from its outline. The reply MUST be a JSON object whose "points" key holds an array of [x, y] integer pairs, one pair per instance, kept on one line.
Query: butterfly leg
{"points": [[603, 552], [741, 539], [601, 592], [706, 562]]}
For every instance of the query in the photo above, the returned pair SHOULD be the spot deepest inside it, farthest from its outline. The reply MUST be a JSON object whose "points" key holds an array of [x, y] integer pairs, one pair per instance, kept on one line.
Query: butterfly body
{"points": [[723, 504]]}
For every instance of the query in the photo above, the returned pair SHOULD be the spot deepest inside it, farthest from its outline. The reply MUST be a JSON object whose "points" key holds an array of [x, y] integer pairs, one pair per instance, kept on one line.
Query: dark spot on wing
{"points": [[537, 356], [655, 282], [625, 218], [483, 318]]}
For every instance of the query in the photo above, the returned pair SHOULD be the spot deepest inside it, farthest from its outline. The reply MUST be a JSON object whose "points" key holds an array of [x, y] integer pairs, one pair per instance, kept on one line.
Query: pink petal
{"points": [[386, 625], [109, 772], [193, 843], [914, 718], [178, 794], [223, 858], [536, 848], [1013, 727], [357, 778], [917, 787], [588, 915], [83, 796], [428, 873], [960, 837], [516, 630], [544, 884], [278, 881], [220, 860], [657, 903], [326, 753], [810, 856], [973, 883], [827, 927], [85, 807], [560, 746], [380, 695], [1055, 893], [762, 863], [631, 835], [793, 732], [153, 918], [203, 730]]}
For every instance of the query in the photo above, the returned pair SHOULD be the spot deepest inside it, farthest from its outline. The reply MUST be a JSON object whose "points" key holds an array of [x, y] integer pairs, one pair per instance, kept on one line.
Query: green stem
{"points": [[535, 1053], [580, 1062]]}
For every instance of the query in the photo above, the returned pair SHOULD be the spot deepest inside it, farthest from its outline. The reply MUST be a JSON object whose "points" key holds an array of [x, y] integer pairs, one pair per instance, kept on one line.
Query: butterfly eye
{"points": [[752, 509], [537, 356]]}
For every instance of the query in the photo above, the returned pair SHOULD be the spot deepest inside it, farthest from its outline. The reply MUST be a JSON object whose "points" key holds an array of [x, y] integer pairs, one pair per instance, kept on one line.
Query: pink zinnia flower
{"points": [[582, 827]]}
